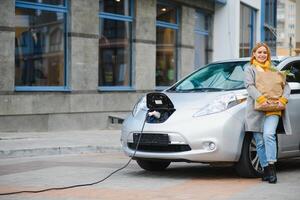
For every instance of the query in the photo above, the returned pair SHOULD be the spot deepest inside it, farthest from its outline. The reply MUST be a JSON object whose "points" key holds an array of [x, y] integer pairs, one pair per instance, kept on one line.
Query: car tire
{"points": [[248, 165], [151, 165]]}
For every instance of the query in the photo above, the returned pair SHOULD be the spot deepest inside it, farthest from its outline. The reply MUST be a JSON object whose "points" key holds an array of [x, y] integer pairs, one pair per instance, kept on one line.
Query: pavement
{"points": [[24, 144], [31, 170]]}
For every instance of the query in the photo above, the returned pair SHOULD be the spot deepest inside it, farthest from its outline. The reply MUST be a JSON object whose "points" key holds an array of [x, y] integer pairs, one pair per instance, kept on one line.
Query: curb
{"points": [[57, 151]]}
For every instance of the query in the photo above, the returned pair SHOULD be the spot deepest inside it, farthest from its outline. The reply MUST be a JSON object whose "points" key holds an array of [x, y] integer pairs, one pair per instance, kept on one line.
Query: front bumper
{"points": [[224, 130]]}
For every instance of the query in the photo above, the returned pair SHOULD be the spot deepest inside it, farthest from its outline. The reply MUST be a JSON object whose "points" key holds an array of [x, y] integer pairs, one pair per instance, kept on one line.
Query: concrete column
{"points": [[297, 50], [7, 48], [187, 40], [144, 46], [83, 38]]}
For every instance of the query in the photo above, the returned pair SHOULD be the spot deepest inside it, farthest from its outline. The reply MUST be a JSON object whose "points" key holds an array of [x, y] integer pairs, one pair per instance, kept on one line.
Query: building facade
{"points": [[286, 27], [74, 64], [297, 37], [270, 24]]}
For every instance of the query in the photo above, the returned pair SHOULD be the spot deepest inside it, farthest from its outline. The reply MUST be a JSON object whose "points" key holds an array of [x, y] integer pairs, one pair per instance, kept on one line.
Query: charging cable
{"points": [[86, 184]]}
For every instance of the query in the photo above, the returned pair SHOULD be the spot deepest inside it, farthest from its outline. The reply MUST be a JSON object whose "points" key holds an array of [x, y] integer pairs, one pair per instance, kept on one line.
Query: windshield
{"points": [[214, 77]]}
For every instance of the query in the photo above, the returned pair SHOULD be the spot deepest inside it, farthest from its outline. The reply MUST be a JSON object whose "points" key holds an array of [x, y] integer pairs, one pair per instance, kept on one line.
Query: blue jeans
{"points": [[266, 145]]}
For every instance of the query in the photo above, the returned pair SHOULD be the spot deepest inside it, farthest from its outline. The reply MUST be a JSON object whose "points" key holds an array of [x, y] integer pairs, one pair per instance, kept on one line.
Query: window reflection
{"points": [[51, 2], [166, 41], [247, 30], [166, 13], [224, 76], [39, 48], [203, 39], [121, 7], [114, 53], [270, 23], [165, 56]]}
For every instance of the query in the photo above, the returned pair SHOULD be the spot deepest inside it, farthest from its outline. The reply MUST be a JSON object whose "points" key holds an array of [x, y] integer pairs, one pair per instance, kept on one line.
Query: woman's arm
{"points": [[250, 85], [286, 94], [286, 91]]}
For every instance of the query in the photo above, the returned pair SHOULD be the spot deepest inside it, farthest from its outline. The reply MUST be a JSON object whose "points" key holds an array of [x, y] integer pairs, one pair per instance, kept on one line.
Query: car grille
{"points": [[160, 148]]}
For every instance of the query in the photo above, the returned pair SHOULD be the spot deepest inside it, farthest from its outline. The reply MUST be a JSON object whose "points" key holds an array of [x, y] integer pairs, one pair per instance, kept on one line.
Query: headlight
{"points": [[220, 104], [140, 105]]}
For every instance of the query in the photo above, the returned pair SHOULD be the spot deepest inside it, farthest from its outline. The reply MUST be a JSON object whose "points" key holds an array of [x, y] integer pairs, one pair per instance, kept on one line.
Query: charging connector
{"points": [[155, 114]]}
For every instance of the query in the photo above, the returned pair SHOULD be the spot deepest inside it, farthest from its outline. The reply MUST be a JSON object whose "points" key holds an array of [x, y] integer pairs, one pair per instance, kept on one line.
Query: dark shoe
{"points": [[266, 174], [273, 177]]}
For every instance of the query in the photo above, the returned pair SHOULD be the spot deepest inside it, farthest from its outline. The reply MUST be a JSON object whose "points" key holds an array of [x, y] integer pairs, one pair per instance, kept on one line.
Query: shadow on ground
{"points": [[186, 170]]}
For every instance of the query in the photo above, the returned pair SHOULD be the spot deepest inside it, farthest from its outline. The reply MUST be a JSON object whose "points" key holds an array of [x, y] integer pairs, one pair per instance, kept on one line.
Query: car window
{"points": [[294, 68], [214, 77], [275, 62]]}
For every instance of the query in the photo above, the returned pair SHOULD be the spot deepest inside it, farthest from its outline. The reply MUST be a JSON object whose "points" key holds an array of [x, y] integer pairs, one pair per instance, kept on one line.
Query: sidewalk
{"points": [[20, 144]]}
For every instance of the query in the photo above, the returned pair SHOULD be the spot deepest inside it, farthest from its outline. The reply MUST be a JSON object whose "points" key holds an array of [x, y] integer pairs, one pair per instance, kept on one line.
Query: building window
{"points": [[247, 30], [40, 41], [166, 44], [203, 39], [270, 24], [115, 44], [50, 2]]}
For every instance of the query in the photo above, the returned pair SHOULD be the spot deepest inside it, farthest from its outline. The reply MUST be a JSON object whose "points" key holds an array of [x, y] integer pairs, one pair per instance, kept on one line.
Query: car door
{"points": [[289, 145]]}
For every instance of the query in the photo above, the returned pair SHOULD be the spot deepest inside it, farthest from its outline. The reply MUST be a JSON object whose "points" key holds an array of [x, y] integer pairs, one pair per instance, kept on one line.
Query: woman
{"points": [[263, 124]]}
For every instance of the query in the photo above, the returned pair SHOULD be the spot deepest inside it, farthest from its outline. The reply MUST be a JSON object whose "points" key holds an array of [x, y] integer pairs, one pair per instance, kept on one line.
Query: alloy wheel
{"points": [[254, 156]]}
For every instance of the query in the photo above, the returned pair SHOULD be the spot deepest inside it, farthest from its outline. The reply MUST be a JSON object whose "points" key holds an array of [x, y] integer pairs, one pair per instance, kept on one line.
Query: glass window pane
{"points": [[201, 21], [223, 76], [121, 7], [270, 39], [114, 53], [208, 23], [203, 50], [253, 29], [165, 56], [200, 50], [203, 40], [39, 48], [267, 11], [247, 30], [166, 13], [294, 68], [51, 2]]}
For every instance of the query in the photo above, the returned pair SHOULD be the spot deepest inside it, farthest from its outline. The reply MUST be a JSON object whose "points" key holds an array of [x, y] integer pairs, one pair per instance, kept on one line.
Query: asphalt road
{"points": [[179, 181]]}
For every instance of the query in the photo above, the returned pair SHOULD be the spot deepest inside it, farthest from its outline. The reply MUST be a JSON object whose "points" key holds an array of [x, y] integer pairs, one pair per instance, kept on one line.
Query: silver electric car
{"points": [[201, 119]]}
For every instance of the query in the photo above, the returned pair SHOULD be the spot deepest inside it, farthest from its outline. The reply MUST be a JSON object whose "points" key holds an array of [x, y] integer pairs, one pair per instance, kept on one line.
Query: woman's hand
{"points": [[282, 101], [265, 104], [280, 106]]}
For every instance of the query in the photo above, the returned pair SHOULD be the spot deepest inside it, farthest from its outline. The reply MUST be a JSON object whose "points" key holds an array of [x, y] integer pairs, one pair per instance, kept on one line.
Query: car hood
{"points": [[196, 100]]}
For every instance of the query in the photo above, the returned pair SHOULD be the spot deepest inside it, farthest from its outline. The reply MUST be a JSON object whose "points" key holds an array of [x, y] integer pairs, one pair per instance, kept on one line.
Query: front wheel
{"points": [[248, 165], [151, 165]]}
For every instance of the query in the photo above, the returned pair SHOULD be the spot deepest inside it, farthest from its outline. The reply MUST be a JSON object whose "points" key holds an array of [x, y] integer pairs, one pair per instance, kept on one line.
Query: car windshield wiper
{"points": [[201, 90], [239, 88]]}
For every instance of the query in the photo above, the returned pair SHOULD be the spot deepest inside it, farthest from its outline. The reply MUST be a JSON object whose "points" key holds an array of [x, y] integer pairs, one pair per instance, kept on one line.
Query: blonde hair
{"points": [[258, 45]]}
